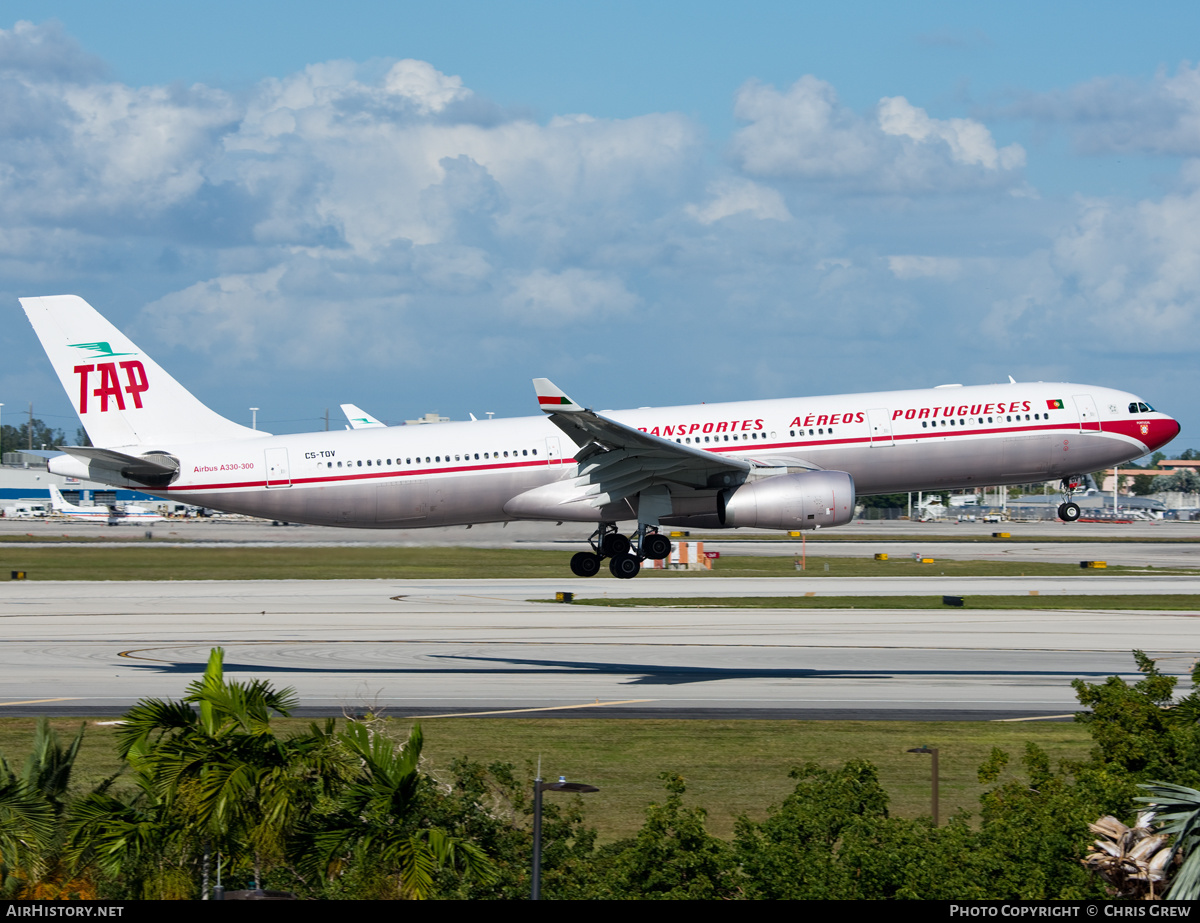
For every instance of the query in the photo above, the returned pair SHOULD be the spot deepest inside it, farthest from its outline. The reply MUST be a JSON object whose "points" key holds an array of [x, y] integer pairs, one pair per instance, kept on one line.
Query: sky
{"points": [[420, 207]]}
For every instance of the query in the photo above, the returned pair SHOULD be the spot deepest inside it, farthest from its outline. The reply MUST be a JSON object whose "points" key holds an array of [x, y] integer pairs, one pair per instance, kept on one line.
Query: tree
{"points": [[673, 857], [1177, 812], [374, 823], [15, 438], [214, 778], [33, 864], [1183, 480], [1140, 731]]}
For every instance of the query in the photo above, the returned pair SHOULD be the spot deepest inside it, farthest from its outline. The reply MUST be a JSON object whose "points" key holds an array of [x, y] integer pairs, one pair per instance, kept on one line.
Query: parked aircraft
{"points": [[793, 463], [108, 514], [359, 418]]}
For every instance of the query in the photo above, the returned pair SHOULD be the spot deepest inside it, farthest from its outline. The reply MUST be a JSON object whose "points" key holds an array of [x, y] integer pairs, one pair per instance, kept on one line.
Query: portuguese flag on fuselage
{"points": [[1054, 405]]}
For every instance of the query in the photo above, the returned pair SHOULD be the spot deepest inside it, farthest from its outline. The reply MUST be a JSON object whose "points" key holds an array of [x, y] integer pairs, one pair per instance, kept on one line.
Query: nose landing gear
{"points": [[1068, 510]]}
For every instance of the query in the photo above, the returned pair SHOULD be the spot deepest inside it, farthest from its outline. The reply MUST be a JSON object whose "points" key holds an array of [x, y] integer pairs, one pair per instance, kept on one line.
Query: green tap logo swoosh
{"points": [[100, 350]]}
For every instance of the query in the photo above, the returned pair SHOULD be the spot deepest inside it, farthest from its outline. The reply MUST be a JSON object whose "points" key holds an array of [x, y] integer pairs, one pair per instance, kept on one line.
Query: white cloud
{"points": [[1136, 269], [543, 297], [969, 141], [295, 315], [382, 221], [1120, 114], [740, 197], [803, 132], [806, 133], [924, 267], [426, 87]]}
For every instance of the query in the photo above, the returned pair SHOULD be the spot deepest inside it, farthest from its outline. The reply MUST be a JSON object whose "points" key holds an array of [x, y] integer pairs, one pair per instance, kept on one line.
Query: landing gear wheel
{"points": [[655, 546], [625, 566], [1068, 512], [585, 564], [614, 545]]}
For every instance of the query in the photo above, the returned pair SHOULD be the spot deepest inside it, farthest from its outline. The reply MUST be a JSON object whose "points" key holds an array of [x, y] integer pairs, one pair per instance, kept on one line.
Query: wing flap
{"points": [[617, 461]]}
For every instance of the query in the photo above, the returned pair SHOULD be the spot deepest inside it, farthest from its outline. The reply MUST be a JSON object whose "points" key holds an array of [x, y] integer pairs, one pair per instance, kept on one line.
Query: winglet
{"points": [[552, 398]]}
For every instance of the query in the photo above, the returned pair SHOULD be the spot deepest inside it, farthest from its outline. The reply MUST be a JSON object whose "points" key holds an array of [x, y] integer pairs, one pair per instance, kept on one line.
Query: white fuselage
{"points": [[462, 473]]}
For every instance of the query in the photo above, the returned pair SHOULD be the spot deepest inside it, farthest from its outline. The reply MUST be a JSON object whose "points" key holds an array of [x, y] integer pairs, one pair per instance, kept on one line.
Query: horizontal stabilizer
{"points": [[153, 469]]}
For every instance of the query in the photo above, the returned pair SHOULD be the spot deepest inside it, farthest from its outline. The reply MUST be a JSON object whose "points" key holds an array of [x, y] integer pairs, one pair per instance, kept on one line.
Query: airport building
{"points": [[25, 487]]}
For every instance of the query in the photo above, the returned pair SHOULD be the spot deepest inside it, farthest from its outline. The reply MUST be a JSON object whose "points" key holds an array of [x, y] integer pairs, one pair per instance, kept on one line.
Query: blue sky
{"points": [[420, 207]]}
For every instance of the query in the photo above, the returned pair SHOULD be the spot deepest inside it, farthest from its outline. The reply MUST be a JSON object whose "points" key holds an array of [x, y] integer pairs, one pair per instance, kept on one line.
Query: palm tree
{"points": [[32, 804], [1177, 811], [374, 821], [212, 776], [1135, 861]]}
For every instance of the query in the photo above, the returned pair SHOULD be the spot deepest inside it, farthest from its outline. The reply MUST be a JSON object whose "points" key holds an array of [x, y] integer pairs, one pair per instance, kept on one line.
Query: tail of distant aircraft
{"points": [[57, 501], [122, 396], [359, 418]]}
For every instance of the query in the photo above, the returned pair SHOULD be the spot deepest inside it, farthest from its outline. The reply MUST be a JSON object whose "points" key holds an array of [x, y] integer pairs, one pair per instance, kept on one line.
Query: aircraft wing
{"points": [[618, 461]]}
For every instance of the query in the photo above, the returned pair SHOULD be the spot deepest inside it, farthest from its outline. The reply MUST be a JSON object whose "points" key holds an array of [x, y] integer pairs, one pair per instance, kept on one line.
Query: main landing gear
{"points": [[623, 561], [1068, 510]]}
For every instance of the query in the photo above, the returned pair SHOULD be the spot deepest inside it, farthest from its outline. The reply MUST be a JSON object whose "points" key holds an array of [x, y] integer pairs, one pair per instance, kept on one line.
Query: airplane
{"points": [[359, 418], [787, 464], [112, 515]]}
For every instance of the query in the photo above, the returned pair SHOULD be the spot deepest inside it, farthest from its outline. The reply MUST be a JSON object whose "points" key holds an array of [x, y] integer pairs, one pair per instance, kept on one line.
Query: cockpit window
{"points": [[1140, 407]]}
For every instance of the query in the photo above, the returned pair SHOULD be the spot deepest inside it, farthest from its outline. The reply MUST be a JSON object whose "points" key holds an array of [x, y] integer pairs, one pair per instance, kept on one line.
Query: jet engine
{"points": [[807, 500]]}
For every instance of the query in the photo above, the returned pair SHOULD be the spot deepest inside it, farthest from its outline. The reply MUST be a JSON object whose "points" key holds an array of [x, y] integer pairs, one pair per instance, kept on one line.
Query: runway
{"points": [[454, 646]]}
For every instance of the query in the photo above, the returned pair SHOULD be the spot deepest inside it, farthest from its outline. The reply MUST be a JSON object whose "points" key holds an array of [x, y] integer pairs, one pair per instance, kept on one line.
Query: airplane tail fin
{"points": [[57, 502], [122, 396], [359, 418]]}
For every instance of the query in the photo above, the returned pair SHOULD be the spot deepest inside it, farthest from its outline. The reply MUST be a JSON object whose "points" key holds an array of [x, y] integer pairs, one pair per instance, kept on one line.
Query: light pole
{"points": [[562, 785], [254, 418], [932, 750]]}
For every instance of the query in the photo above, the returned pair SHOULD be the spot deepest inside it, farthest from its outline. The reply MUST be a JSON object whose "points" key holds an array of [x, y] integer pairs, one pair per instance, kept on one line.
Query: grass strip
{"points": [[847, 534], [1182, 602], [145, 561], [731, 767]]}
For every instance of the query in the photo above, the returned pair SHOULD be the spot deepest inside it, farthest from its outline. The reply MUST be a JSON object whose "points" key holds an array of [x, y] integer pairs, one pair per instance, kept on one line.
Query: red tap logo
{"points": [[110, 386]]}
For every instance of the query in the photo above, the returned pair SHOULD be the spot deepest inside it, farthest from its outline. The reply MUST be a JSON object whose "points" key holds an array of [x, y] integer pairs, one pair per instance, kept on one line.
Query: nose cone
{"points": [[1161, 432]]}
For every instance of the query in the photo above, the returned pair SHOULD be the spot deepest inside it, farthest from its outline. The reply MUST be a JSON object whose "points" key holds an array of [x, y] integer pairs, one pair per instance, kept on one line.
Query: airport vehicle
{"points": [[112, 514], [792, 463]]}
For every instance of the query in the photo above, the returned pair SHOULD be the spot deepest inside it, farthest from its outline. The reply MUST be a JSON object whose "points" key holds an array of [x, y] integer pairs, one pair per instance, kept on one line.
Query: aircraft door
{"points": [[278, 474], [553, 452], [880, 421], [1088, 418]]}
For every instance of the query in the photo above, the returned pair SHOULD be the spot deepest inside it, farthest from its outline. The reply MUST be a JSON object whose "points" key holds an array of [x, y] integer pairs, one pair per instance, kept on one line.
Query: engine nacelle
{"points": [[809, 500]]}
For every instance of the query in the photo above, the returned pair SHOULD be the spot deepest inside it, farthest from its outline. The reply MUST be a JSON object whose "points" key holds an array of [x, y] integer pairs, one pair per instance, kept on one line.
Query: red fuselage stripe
{"points": [[1113, 427]]}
